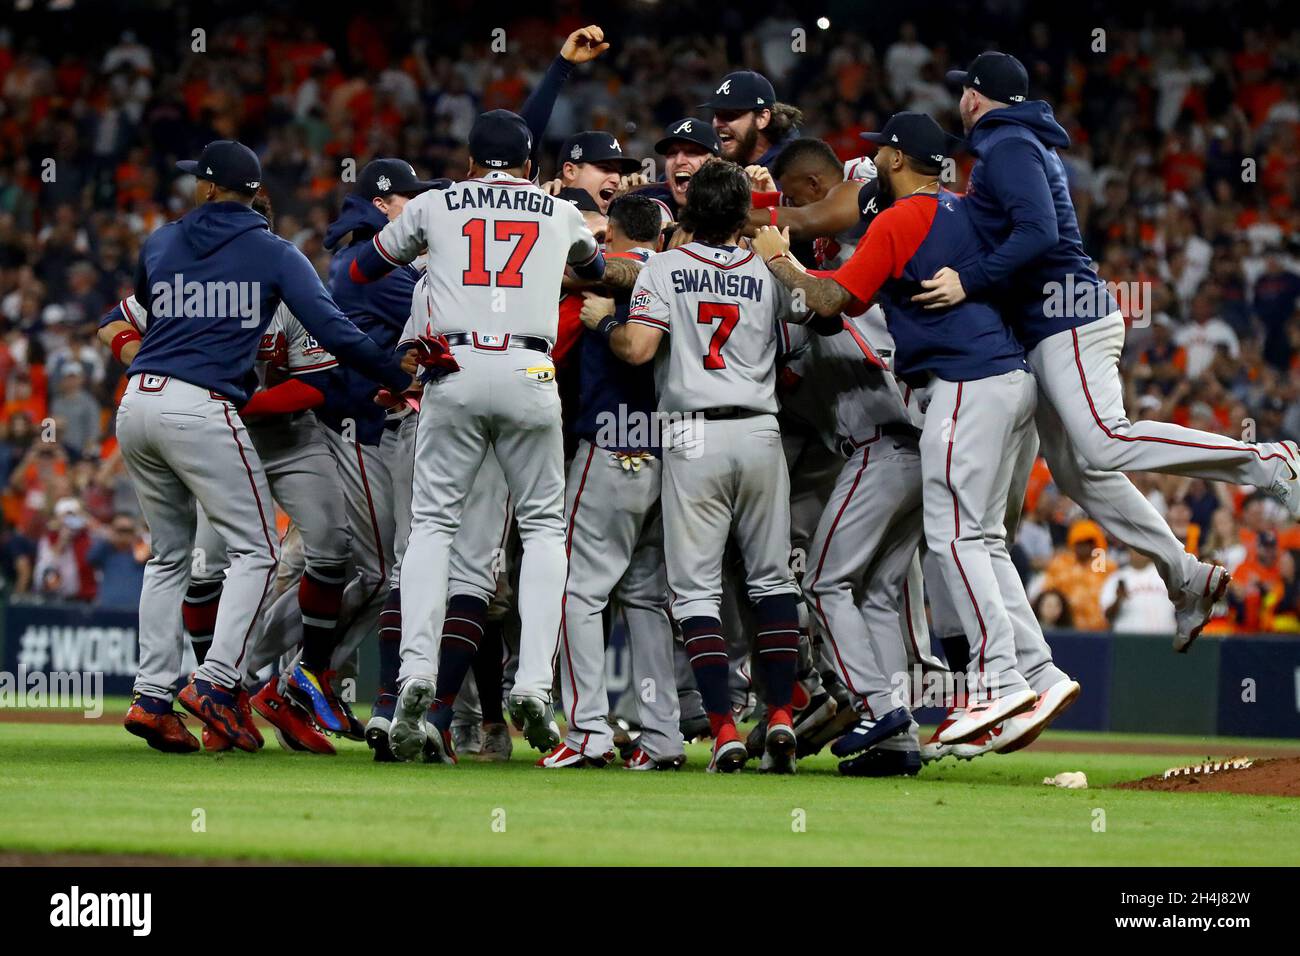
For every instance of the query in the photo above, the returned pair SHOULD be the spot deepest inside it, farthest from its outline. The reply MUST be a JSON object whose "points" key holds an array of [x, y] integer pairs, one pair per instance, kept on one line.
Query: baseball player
{"points": [[475, 560], [593, 161], [615, 536], [211, 282], [724, 472], [1073, 332], [686, 145], [498, 247], [751, 125], [978, 398]]}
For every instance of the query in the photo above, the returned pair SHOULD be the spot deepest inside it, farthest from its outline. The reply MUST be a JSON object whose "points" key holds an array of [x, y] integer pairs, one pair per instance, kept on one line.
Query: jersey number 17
{"points": [[510, 276]]}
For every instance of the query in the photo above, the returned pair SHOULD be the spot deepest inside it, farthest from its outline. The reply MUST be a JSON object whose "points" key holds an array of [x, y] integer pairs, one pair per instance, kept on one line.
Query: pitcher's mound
{"points": [[1265, 778]]}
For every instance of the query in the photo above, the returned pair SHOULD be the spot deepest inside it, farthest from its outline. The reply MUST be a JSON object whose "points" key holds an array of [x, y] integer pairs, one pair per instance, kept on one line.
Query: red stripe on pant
{"points": [[266, 533], [564, 601], [956, 530]]}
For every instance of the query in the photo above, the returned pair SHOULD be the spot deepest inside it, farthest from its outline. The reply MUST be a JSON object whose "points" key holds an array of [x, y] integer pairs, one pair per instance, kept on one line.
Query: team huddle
{"points": [[778, 410]]}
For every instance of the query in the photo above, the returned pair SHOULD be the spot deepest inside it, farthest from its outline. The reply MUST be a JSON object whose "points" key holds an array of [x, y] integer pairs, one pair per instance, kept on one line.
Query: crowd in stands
{"points": [[1184, 167]]}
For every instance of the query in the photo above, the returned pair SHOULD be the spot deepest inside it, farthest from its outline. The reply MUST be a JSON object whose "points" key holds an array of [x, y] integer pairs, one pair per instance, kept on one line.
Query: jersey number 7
{"points": [[511, 275], [710, 312]]}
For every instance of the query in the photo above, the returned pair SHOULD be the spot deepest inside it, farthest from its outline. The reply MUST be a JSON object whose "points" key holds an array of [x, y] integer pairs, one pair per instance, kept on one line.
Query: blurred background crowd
{"points": [[1184, 116]]}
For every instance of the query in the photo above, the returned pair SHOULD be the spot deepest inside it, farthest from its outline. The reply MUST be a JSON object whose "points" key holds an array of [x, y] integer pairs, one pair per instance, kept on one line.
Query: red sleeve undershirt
{"points": [[283, 399], [888, 246]]}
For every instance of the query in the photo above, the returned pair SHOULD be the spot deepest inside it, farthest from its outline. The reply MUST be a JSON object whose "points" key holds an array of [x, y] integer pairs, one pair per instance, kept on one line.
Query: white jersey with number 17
{"points": [[497, 251], [723, 310]]}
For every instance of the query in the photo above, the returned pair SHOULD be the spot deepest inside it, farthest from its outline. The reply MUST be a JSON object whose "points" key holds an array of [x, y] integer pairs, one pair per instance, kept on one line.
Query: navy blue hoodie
{"points": [[212, 280], [1019, 202], [380, 309]]}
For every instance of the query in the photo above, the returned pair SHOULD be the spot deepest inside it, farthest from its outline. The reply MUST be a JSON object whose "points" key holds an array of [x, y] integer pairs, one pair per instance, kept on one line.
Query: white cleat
{"points": [[1194, 607], [407, 733], [1286, 486], [977, 718], [1023, 729]]}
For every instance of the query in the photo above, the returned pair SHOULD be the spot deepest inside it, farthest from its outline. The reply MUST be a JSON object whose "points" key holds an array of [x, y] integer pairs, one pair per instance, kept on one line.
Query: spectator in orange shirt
{"points": [[1079, 573], [1256, 586]]}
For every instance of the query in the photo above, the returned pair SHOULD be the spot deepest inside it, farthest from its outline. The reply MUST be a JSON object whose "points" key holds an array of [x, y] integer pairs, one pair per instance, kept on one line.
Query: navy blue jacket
{"points": [[1019, 202], [613, 395], [906, 244], [212, 280]]}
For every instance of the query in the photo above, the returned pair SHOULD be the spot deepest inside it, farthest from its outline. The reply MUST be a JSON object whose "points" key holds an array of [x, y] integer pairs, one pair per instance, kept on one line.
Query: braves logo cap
{"points": [[385, 176], [500, 139], [999, 76], [743, 90], [596, 146], [690, 130], [917, 135], [229, 164]]}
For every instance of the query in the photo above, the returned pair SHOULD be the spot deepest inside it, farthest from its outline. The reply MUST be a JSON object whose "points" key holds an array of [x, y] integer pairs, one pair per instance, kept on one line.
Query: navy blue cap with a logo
{"points": [[917, 135], [743, 90], [228, 164], [596, 146], [385, 176], [690, 130], [999, 76], [500, 139]]}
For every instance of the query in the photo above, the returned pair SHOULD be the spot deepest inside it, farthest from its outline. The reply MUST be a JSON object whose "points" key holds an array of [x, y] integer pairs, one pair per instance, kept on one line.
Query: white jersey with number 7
{"points": [[723, 309], [497, 251]]}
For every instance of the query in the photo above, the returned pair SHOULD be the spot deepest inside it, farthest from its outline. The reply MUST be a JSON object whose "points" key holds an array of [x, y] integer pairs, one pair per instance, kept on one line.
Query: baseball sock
{"points": [[461, 633], [488, 671], [320, 592], [390, 641], [708, 655], [777, 617], [199, 615], [956, 650]]}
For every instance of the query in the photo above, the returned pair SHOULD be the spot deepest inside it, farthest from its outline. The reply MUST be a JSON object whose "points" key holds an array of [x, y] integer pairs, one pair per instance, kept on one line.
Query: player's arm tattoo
{"points": [[620, 273], [824, 296]]}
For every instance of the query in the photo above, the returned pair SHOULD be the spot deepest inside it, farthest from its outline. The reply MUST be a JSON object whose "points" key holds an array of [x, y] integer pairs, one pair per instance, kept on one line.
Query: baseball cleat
{"points": [[497, 745], [294, 728], [244, 700], [408, 730], [625, 738], [1022, 730], [981, 745], [540, 729], [1195, 606], [883, 763], [976, 718], [1286, 486], [640, 760], [779, 742], [821, 708], [932, 749], [467, 738], [815, 738], [438, 745], [308, 689], [353, 729], [153, 721], [218, 708], [756, 740], [566, 756], [214, 742], [729, 754], [869, 731], [695, 728], [741, 711], [381, 717]]}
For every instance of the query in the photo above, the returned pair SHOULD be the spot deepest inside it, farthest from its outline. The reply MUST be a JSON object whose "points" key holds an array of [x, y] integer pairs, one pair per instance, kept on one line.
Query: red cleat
{"points": [[729, 753], [218, 708], [245, 702], [214, 742], [153, 720], [293, 725]]}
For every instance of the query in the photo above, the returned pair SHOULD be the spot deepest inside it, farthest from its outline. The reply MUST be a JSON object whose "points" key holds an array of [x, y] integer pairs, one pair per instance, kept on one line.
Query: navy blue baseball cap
{"points": [[500, 139], [917, 135], [596, 146], [999, 76], [383, 177], [228, 164], [690, 130], [743, 90]]}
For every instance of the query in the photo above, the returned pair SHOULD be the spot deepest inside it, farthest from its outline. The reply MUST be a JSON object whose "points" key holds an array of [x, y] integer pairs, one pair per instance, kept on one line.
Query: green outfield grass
{"points": [[90, 787]]}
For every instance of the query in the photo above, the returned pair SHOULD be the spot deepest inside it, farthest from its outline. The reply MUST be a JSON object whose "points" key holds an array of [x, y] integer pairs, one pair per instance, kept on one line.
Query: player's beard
{"points": [[886, 194], [745, 146]]}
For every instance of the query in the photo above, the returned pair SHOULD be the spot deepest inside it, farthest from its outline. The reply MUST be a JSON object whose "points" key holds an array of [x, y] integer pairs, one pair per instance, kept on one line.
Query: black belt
{"points": [[729, 411], [499, 343], [848, 447]]}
